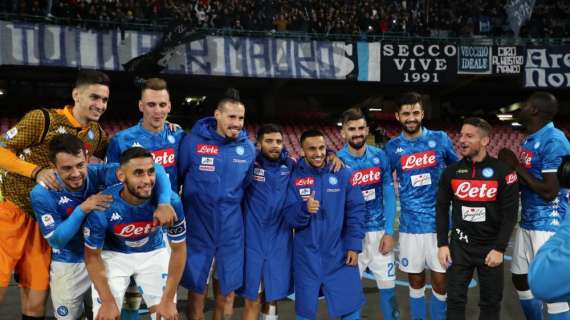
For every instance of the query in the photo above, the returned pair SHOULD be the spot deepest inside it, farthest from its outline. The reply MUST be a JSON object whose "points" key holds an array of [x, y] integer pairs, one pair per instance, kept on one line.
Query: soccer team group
{"points": [[170, 208]]}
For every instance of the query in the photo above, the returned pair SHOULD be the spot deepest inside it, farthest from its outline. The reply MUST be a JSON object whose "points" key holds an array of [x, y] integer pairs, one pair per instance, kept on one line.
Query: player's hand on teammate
{"points": [[336, 163], [164, 215], [166, 310], [386, 244], [494, 258], [444, 256], [108, 311], [48, 178], [352, 258], [173, 126], [509, 157], [312, 204], [97, 201]]}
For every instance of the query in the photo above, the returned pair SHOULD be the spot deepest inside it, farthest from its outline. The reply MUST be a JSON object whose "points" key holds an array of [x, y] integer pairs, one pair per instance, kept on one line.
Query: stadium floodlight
{"points": [[1, 92], [505, 117]]}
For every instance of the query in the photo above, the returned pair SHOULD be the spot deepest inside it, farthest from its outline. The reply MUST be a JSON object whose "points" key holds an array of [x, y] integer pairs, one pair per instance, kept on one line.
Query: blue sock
{"points": [[388, 304], [438, 306], [559, 316], [532, 309], [418, 308], [352, 316], [127, 314]]}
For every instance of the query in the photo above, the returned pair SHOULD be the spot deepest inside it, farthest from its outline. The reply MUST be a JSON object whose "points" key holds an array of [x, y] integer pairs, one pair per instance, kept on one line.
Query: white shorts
{"points": [[418, 251], [69, 285], [382, 266], [527, 243], [150, 270]]}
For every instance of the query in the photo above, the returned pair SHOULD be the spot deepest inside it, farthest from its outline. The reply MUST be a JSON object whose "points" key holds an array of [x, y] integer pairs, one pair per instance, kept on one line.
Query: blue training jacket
{"points": [[268, 238], [323, 239], [215, 171]]}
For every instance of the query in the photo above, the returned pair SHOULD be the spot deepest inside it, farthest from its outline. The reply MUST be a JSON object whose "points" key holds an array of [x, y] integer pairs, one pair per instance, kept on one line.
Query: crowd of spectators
{"points": [[406, 17]]}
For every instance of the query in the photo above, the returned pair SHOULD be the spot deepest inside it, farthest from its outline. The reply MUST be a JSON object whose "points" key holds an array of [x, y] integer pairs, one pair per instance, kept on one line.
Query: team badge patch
{"points": [[171, 139], [10, 134], [62, 311], [90, 135], [333, 180], [47, 219], [488, 172], [240, 150], [536, 145], [432, 144], [376, 160]]}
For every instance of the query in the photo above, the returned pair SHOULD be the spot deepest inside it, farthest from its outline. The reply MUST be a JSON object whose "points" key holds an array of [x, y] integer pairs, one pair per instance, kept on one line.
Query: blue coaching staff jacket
{"points": [[214, 171], [323, 239]]}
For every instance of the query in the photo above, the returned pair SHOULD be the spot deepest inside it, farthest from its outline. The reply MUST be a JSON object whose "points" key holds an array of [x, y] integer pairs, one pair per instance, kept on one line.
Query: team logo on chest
{"points": [[208, 149], [165, 157], [475, 190], [526, 158], [488, 172], [333, 181], [365, 177], [432, 144], [418, 160], [134, 230], [171, 139], [240, 150], [90, 135]]}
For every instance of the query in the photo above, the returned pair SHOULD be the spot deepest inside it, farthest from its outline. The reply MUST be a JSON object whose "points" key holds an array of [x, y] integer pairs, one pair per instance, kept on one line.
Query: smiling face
{"points": [[472, 141], [410, 117], [355, 132], [72, 169], [90, 102], [139, 177], [271, 145], [230, 118], [155, 106], [314, 150]]}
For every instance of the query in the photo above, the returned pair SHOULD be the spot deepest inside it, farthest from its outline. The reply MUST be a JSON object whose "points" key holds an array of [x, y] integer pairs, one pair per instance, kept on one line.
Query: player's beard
{"points": [[412, 131], [135, 193], [357, 145]]}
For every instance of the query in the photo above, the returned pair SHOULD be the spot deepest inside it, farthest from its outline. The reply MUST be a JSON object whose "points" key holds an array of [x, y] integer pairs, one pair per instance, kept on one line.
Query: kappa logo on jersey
{"points": [[208, 149], [418, 160], [399, 150], [366, 177], [305, 182], [165, 157], [63, 200], [134, 230], [526, 158], [475, 190], [10, 134], [511, 178], [136, 144], [116, 216], [61, 130]]}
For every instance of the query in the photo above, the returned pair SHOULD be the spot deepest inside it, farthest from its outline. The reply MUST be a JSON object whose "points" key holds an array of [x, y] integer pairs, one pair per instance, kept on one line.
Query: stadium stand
{"points": [[412, 17]]}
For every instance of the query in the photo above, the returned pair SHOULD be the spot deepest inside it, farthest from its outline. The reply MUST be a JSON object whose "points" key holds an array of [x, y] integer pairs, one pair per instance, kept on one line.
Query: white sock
{"points": [[560, 307], [264, 316], [525, 295], [417, 293], [440, 297]]}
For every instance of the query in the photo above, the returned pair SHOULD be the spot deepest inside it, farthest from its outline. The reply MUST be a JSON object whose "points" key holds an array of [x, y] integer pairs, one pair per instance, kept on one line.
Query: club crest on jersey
{"points": [[137, 229], [10, 134], [537, 144], [305, 182], [432, 144], [90, 135], [207, 149], [488, 172], [375, 160], [418, 160], [165, 157], [475, 190], [526, 159], [333, 180], [365, 177], [62, 311], [240, 150], [171, 139], [63, 200]]}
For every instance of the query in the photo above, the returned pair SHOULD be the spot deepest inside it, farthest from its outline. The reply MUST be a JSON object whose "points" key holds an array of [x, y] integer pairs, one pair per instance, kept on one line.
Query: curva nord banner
{"points": [[421, 63]]}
